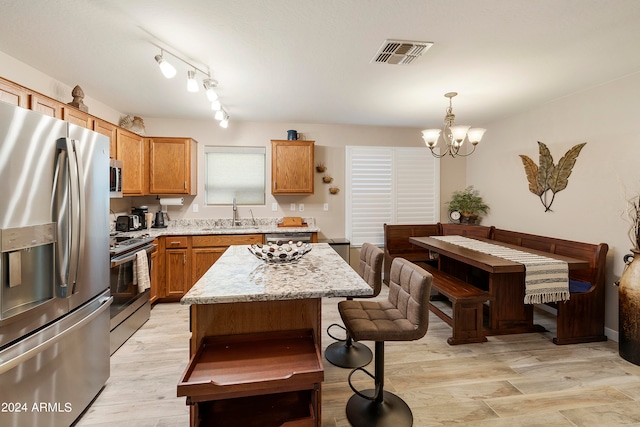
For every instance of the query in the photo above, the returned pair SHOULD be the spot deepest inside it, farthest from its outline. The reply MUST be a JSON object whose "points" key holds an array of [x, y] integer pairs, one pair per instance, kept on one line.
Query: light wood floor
{"points": [[516, 380]]}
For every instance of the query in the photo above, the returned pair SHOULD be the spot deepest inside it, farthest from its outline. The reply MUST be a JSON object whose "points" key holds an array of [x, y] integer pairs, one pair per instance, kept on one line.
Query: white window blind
{"points": [[393, 185], [234, 172]]}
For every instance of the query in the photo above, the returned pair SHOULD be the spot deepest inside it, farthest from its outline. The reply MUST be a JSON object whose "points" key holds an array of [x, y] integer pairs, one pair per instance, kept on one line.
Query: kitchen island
{"points": [[255, 332]]}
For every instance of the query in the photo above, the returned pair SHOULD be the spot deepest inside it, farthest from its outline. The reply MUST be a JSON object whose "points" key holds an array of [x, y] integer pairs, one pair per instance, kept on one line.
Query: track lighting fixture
{"points": [[224, 122], [208, 83], [167, 69], [192, 83]]}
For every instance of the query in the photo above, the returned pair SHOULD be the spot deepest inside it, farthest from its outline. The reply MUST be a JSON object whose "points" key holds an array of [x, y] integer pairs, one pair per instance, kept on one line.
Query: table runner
{"points": [[545, 280]]}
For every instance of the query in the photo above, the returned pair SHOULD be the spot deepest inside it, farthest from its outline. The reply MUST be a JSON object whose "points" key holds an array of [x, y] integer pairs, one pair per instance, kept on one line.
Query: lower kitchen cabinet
{"points": [[187, 258], [177, 266], [207, 249]]}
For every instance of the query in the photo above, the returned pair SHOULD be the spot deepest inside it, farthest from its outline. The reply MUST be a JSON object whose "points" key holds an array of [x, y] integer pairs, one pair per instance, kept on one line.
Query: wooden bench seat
{"points": [[396, 244], [466, 303], [581, 318]]}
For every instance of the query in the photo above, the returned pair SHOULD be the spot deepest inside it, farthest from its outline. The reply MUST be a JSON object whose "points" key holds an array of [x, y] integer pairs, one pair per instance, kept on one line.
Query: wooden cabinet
{"points": [[154, 277], [77, 117], [184, 260], [292, 167], [207, 249], [172, 166], [109, 130], [45, 105], [14, 94], [130, 148], [177, 266]]}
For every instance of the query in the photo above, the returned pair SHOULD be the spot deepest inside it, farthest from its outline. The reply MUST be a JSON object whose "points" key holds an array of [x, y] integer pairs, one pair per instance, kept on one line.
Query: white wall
{"points": [[27, 76], [330, 141], [591, 208]]}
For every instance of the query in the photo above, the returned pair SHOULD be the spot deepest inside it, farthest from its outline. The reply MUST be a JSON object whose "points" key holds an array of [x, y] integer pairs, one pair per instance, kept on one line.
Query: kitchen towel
{"points": [[141, 269]]}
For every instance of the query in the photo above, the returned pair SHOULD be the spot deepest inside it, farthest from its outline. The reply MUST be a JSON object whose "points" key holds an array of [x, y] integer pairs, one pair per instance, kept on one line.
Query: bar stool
{"points": [[403, 317], [346, 353]]}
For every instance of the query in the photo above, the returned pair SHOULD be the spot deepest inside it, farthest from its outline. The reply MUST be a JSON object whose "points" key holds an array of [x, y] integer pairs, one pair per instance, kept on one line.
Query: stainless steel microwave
{"points": [[115, 178]]}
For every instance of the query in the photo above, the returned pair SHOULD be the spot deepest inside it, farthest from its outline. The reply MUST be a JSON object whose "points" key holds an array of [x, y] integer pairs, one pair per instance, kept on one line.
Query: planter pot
{"points": [[468, 219], [629, 310]]}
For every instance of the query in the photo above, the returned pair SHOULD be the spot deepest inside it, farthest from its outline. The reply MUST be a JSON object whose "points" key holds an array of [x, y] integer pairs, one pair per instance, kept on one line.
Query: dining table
{"points": [[504, 279]]}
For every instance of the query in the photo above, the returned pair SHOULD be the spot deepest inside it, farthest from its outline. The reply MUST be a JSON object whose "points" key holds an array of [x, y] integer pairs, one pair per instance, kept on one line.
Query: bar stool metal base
{"points": [[391, 412], [348, 354]]}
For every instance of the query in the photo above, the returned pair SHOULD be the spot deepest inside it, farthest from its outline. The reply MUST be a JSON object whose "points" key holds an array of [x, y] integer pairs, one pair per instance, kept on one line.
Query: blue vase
{"points": [[292, 135]]}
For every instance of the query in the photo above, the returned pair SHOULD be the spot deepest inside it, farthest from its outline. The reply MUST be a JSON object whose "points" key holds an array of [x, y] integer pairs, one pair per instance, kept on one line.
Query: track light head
{"points": [[192, 83], [209, 85], [167, 69]]}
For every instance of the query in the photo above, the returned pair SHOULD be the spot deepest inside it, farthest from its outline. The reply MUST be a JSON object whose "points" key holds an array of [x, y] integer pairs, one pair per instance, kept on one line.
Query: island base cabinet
{"points": [[259, 379], [293, 409]]}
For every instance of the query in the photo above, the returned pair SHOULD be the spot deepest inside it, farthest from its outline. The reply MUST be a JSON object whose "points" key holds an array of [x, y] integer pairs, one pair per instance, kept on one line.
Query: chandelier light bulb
{"points": [[167, 69], [192, 83], [475, 135], [224, 123], [219, 115]]}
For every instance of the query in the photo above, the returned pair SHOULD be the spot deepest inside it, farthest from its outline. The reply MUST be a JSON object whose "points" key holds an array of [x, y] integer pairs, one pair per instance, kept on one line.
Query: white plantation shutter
{"points": [[392, 185]]}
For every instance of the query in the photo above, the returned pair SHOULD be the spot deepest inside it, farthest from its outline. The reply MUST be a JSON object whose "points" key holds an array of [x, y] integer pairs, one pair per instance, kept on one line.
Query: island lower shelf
{"points": [[278, 372]]}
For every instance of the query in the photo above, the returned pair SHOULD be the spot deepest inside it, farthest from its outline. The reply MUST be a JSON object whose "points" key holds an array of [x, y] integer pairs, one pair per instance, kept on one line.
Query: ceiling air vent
{"points": [[400, 52]]}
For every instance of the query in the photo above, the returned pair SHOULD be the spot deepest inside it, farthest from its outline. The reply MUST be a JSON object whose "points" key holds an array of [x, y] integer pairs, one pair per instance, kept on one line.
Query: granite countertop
{"points": [[238, 276], [223, 226]]}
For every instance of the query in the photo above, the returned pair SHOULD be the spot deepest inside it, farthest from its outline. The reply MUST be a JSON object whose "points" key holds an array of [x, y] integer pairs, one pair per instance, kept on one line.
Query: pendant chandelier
{"points": [[454, 135]]}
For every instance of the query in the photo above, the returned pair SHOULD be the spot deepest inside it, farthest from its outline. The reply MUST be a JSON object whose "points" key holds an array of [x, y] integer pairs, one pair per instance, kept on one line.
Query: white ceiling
{"points": [[309, 60]]}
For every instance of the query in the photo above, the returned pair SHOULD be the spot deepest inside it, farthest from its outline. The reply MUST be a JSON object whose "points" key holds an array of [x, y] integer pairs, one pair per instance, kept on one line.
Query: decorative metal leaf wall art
{"points": [[549, 177]]}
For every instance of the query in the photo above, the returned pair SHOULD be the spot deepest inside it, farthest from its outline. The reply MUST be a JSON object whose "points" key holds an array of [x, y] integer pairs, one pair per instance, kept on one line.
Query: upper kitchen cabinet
{"points": [[13, 94], [77, 117], [172, 166], [45, 105], [130, 148], [291, 167], [108, 129]]}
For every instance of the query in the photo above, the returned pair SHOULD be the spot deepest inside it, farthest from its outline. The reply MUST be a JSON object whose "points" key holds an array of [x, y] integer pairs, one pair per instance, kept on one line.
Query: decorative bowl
{"points": [[279, 252]]}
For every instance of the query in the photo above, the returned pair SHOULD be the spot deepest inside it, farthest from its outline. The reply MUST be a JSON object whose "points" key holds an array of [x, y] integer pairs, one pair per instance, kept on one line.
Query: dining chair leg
{"points": [[377, 407], [348, 354]]}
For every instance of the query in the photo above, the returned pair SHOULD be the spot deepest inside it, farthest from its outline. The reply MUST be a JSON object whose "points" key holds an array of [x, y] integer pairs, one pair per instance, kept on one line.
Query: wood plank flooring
{"points": [[514, 380]]}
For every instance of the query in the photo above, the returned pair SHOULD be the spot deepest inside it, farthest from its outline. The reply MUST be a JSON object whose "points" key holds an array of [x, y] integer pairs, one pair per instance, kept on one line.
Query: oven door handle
{"points": [[116, 261]]}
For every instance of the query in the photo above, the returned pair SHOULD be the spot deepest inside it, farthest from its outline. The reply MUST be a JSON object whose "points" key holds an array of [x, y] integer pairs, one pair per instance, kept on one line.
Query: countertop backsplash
{"points": [[222, 226]]}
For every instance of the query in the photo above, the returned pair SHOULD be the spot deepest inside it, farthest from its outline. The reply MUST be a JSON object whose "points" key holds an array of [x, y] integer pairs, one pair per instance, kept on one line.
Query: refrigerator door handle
{"points": [[9, 364], [67, 213], [78, 221]]}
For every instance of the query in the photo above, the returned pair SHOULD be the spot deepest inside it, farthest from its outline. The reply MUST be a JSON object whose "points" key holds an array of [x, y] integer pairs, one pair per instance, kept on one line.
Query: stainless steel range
{"points": [[131, 307]]}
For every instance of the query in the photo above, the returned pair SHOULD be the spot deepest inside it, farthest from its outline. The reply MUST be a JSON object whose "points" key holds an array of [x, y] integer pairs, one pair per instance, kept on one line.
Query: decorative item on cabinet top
{"points": [[320, 167], [134, 124], [78, 97]]}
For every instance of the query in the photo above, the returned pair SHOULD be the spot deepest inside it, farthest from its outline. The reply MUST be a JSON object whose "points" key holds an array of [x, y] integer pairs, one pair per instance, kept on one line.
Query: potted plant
{"points": [[469, 203]]}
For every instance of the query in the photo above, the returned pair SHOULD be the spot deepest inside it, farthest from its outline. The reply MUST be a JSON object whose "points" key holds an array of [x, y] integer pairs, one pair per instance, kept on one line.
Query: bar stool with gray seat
{"points": [[403, 317], [346, 353]]}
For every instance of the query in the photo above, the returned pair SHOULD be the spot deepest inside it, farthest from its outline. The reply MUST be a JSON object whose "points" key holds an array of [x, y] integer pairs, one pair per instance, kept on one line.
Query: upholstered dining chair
{"points": [[346, 353], [403, 317]]}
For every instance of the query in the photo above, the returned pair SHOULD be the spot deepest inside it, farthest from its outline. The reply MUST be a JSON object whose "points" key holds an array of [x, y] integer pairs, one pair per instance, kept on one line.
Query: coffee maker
{"points": [[141, 213]]}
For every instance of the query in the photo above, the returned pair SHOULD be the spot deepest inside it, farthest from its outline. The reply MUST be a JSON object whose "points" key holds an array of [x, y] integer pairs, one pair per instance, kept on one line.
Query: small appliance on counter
{"points": [[127, 223], [159, 221], [141, 213]]}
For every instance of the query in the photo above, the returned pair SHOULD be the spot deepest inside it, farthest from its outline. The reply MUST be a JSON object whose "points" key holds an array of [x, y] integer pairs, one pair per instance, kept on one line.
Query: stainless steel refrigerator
{"points": [[54, 268]]}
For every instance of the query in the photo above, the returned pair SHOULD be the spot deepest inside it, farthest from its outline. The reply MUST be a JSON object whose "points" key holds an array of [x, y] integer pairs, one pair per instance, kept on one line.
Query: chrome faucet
{"points": [[235, 221]]}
